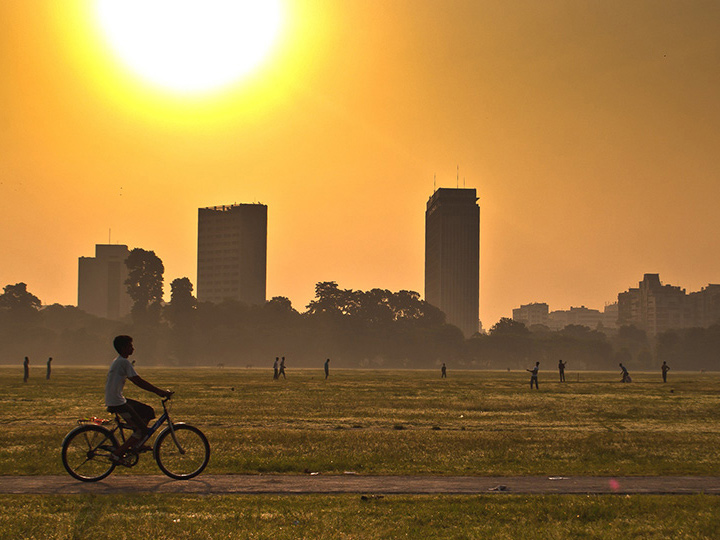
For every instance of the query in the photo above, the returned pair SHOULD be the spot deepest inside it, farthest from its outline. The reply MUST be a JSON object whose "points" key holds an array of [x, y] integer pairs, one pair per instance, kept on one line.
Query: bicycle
{"points": [[181, 451]]}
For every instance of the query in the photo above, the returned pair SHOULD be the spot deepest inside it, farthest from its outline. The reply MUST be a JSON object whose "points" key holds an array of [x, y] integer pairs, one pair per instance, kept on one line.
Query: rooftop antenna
{"points": [[434, 181], [109, 236], [457, 178]]}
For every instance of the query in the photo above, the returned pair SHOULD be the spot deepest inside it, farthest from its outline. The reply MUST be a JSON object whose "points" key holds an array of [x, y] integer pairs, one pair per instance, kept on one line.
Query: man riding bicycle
{"points": [[135, 413]]}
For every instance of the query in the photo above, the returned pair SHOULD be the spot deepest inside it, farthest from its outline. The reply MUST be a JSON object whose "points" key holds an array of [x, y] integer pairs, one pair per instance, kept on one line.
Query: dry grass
{"points": [[393, 422], [178, 517]]}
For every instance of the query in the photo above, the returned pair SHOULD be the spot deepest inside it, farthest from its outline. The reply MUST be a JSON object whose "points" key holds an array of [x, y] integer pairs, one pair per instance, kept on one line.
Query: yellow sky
{"points": [[590, 130]]}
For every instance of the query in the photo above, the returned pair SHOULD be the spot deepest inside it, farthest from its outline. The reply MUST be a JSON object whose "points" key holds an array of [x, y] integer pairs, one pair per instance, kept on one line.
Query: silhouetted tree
{"points": [[145, 285], [509, 327], [632, 341], [182, 304], [181, 314], [18, 306], [18, 299]]}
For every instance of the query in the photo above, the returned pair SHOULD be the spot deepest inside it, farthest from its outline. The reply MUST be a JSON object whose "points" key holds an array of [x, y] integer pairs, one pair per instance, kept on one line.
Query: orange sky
{"points": [[590, 130]]}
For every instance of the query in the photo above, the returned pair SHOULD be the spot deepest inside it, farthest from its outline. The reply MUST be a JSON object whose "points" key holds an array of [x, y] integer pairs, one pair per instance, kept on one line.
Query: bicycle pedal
{"points": [[117, 460]]}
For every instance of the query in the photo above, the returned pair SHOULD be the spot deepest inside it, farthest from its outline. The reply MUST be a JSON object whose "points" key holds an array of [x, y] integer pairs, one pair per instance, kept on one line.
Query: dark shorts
{"points": [[136, 414]]}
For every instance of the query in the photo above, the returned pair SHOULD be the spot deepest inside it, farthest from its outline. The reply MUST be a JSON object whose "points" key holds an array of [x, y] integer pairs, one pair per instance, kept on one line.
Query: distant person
{"points": [[282, 368], [275, 368], [534, 375], [443, 371], [47, 373], [561, 369], [135, 413], [625, 374], [327, 368], [26, 369], [665, 368]]}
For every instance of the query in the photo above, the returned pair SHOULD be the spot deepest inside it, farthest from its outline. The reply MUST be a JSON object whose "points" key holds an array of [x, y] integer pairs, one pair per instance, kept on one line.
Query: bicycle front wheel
{"points": [[184, 456], [86, 453]]}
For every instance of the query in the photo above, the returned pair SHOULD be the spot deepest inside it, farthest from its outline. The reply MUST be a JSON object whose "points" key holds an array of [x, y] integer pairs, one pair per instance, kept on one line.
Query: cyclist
{"points": [[135, 413]]}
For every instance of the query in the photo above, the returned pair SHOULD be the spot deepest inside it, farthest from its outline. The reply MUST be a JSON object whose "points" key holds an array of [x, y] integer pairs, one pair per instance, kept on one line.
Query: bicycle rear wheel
{"points": [[188, 457], [86, 453]]}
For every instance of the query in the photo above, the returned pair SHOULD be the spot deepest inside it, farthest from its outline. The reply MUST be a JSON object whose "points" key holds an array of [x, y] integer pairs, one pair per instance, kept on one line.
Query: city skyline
{"points": [[588, 132]]}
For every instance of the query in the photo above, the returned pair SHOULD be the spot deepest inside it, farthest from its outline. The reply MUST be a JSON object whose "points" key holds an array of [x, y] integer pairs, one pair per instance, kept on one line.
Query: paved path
{"points": [[352, 483]]}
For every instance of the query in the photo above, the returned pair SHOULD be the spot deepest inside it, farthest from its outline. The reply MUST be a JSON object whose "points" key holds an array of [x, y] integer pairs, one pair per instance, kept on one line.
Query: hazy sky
{"points": [[589, 128]]}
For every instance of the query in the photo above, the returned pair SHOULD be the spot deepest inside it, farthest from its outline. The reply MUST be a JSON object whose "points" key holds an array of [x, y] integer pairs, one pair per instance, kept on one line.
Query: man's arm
{"points": [[137, 380]]}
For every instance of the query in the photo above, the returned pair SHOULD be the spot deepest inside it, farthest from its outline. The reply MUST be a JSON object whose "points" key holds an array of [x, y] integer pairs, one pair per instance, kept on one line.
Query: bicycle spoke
{"points": [[86, 453]]}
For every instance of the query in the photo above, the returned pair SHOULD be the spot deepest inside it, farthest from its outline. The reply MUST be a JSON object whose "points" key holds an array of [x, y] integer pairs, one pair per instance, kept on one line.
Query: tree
{"points": [[18, 305], [330, 299], [509, 327], [182, 304], [181, 313], [17, 298], [145, 285]]}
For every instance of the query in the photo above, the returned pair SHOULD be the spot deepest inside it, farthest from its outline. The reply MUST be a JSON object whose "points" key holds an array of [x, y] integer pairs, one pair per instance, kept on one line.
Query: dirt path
{"points": [[351, 483]]}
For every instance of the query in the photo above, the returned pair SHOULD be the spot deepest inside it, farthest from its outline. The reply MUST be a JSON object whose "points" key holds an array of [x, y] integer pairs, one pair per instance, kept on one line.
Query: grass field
{"points": [[392, 422], [381, 422], [175, 517]]}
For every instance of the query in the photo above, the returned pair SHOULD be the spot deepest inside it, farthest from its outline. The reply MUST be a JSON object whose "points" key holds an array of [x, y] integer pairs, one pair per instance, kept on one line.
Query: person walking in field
{"points": [[276, 373], [534, 375], [625, 374], [443, 371], [665, 368], [47, 373], [327, 368], [561, 369], [26, 369], [282, 368]]}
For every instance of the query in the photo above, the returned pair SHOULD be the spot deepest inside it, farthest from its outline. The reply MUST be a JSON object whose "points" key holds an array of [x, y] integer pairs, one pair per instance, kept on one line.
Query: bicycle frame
{"points": [[164, 417]]}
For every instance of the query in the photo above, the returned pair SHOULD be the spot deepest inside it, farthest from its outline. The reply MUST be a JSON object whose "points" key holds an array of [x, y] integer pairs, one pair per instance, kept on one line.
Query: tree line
{"points": [[375, 329]]}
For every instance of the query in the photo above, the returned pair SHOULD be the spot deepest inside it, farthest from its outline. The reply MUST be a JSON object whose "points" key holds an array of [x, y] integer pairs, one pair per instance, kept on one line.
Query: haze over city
{"points": [[588, 130]]}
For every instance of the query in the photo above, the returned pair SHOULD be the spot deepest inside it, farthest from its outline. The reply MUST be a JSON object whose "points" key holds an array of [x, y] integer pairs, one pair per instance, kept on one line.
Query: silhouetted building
{"points": [[652, 306], [101, 282], [610, 315], [578, 316], [532, 314], [232, 253], [452, 256], [703, 307]]}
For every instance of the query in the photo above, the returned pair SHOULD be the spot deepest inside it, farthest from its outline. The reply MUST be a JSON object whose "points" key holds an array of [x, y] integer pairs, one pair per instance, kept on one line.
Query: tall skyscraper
{"points": [[452, 256], [232, 253], [101, 282]]}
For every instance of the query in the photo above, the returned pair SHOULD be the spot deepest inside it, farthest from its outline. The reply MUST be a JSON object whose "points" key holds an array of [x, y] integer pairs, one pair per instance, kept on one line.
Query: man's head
{"points": [[124, 345]]}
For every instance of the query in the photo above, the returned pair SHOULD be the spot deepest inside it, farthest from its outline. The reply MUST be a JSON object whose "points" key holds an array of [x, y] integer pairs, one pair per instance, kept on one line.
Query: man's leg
{"points": [[137, 415]]}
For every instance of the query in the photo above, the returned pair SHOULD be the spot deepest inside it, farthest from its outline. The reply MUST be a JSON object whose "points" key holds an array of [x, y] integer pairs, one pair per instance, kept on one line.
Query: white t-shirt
{"points": [[120, 370]]}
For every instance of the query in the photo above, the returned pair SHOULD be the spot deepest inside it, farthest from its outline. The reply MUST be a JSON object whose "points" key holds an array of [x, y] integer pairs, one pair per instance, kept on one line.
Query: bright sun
{"points": [[191, 46]]}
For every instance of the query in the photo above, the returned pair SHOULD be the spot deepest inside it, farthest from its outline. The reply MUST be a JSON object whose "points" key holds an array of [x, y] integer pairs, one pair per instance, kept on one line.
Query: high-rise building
{"points": [[702, 308], [232, 253], [101, 282], [652, 306], [452, 256]]}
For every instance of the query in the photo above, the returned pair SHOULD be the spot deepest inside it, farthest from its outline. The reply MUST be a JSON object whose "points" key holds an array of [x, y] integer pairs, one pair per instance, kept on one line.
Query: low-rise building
{"points": [[532, 314]]}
